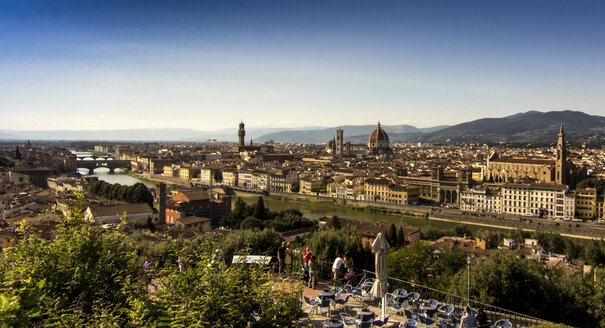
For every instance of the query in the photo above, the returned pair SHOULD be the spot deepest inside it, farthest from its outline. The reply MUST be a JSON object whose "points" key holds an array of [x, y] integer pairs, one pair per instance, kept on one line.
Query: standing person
{"points": [[468, 320], [338, 264], [281, 256], [288, 258], [482, 318], [312, 271], [307, 254], [348, 262]]}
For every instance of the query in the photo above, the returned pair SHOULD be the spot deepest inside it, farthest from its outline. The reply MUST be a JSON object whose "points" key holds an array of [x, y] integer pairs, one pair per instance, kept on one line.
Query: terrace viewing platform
{"points": [[350, 304]]}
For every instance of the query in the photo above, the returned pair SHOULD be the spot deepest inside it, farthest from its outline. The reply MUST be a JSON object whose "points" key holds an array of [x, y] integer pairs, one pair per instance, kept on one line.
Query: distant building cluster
{"points": [[38, 180]]}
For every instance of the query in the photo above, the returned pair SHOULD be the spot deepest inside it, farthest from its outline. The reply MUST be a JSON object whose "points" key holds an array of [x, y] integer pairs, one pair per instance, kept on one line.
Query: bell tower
{"points": [[561, 159], [241, 133]]}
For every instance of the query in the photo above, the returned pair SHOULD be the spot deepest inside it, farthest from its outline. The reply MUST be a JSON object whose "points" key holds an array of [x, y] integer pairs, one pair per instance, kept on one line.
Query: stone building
{"points": [[559, 170]]}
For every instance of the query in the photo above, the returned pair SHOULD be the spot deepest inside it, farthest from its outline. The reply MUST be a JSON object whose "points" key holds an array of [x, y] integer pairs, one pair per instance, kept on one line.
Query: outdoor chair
{"points": [[312, 303], [413, 299], [408, 323], [394, 306], [425, 320], [372, 280], [347, 319], [306, 312], [324, 303], [401, 293], [503, 324], [445, 311], [367, 284], [358, 293], [380, 323], [342, 302], [338, 292], [445, 324], [364, 324]]}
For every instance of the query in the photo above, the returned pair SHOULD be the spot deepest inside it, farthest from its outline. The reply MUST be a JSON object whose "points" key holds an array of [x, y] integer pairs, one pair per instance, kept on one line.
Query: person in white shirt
{"points": [[468, 320], [338, 263]]}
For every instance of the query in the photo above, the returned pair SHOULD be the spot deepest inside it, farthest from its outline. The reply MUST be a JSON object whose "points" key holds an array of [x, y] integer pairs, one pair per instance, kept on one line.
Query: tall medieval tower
{"points": [[561, 160], [160, 202], [241, 133], [339, 142]]}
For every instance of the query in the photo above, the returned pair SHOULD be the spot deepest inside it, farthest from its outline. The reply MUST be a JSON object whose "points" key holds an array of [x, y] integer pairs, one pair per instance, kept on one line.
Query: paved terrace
{"points": [[320, 315]]}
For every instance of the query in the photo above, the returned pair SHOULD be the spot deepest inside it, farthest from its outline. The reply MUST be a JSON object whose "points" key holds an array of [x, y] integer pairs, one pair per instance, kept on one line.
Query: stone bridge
{"points": [[91, 165]]}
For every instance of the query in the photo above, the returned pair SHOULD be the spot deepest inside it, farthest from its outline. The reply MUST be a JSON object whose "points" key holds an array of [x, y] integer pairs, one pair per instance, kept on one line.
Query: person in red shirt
{"points": [[306, 257]]}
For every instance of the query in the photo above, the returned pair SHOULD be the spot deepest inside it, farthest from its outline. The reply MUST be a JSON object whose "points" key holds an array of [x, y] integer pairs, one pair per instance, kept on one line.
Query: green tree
{"points": [[401, 237], [430, 233], [226, 296], [327, 244], [240, 211], [105, 189], [335, 223], [594, 253], [411, 263], [392, 236], [113, 192], [251, 223], [446, 265], [263, 242], [17, 153], [217, 175], [260, 212], [462, 230], [81, 278]]}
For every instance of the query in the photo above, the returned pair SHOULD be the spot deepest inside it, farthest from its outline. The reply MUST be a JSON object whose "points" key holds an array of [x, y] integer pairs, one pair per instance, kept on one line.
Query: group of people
{"points": [[284, 257], [311, 266], [469, 320]]}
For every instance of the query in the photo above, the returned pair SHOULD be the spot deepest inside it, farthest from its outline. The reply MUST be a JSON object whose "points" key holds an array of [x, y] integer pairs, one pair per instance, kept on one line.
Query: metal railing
{"points": [[493, 313]]}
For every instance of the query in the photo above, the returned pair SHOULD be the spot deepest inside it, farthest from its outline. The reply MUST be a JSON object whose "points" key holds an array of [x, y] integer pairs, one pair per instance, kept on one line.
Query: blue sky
{"points": [[206, 65]]}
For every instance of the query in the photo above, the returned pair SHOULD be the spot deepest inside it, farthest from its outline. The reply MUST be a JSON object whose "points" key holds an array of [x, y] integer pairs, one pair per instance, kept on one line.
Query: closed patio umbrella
{"points": [[380, 248]]}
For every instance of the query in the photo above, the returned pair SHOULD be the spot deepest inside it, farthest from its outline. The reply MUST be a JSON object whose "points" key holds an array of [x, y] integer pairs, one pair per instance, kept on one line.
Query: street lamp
{"points": [[468, 288]]}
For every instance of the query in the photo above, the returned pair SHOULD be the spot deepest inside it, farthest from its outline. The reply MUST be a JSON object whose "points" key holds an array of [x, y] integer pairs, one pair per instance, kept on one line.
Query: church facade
{"points": [[559, 170]]}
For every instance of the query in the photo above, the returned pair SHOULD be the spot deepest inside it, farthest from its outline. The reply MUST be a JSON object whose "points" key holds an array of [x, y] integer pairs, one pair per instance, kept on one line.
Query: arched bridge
{"points": [[111, 165], [91, 165]]}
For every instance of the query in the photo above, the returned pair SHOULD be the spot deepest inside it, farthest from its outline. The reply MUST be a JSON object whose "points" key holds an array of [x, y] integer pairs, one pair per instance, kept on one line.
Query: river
{"points": [[315, 211], [118, 176]]}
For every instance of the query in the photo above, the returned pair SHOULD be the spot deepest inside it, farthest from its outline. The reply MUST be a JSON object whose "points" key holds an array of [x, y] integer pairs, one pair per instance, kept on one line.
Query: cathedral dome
{"points": [[378, 138]]}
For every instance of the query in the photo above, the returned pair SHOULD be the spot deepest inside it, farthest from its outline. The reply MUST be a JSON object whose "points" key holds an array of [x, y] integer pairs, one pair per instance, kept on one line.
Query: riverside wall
{"points": [[502, 221]]}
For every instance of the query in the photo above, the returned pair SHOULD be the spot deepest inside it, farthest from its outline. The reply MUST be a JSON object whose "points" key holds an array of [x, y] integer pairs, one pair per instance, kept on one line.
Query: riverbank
{"points": [[426, 216], [157, 179]]}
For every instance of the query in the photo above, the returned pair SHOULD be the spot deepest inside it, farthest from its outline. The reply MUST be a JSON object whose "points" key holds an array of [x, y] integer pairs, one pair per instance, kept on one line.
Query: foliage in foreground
{"points": [[82, 276], [87, 277], [528, 287]]}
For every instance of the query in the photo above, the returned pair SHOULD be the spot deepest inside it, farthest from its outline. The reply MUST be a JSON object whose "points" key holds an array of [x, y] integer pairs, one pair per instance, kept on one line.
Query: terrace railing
{"points": [[493, 313]]}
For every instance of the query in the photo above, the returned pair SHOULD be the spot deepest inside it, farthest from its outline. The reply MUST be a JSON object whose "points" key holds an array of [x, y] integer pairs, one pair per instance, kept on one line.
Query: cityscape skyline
{"points": [[112, 65]]}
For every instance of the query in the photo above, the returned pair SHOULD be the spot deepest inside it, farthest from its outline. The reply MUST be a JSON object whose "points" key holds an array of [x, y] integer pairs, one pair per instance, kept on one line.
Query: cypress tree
{"points": [[401, 237], [260, 212]]}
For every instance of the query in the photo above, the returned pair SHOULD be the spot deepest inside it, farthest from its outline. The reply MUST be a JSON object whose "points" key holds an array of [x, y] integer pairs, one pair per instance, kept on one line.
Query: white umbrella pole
{"points": [[384, 306]]}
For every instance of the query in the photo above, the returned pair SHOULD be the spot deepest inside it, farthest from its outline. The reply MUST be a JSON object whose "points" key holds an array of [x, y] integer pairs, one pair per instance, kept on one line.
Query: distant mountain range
{"points": [[350, 133], [530, 127]]}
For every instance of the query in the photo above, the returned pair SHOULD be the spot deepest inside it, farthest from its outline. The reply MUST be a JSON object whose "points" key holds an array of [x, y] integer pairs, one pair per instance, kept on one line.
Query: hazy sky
{"points": [[120, 64]]}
